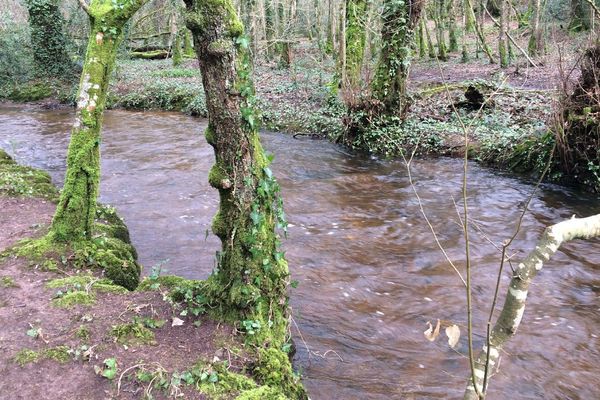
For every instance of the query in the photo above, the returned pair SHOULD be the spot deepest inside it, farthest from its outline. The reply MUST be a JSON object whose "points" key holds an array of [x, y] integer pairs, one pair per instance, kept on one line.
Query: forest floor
{"points": [[69, 334]]}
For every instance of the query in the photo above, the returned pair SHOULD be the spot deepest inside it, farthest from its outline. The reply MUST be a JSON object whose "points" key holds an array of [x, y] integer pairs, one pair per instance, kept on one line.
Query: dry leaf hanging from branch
{"points": [[431, 334]]}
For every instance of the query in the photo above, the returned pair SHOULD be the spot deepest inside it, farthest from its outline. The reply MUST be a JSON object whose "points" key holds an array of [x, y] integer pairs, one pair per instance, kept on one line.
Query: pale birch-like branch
{"points": [[514, 304]]}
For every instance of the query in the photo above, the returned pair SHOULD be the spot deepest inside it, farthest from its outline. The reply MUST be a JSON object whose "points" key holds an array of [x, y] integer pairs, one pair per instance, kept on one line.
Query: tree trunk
{"points": [[176, 50], [74, 217], [397, 35], [502, 39], [250, 282], [355, 38], [48, 39], [536, 45]]}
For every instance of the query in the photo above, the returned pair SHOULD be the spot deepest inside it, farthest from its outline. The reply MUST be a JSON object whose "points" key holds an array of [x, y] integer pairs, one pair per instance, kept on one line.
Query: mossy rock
{"points": [[19, 180], [117, 260], [110, 224], [150, 55]]}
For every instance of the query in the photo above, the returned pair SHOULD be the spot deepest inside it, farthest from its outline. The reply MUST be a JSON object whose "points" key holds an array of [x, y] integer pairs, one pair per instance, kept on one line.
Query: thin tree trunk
{"points": [[355, 38], [536, 45], [76, 210], [502, 41]]}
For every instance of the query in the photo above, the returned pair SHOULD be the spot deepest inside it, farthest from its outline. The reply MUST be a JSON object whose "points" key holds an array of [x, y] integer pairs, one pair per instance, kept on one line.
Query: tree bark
{"points": [[397, 35], [48, 39], [514, 305], [74, 217], [355, 39], [250, 282], [536, 45]]}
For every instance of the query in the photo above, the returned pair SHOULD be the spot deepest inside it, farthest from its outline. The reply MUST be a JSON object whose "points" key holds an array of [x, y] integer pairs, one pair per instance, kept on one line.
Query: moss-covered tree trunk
{"points": [[355, 39], [400, 20], [74, 217], [48, 39], [536, 44], [502, 38], [250, 283]]}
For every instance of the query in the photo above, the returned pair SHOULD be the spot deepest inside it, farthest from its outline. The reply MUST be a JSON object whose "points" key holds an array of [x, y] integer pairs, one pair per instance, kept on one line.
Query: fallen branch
{"points": [[514, 305]]}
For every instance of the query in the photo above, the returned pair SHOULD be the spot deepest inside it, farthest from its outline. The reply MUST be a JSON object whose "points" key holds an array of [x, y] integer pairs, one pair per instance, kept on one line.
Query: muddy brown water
{"points": [[370, 275]]}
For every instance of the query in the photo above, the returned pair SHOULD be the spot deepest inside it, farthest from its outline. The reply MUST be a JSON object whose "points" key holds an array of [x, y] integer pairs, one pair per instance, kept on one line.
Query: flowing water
{"points": [[370, 273]]}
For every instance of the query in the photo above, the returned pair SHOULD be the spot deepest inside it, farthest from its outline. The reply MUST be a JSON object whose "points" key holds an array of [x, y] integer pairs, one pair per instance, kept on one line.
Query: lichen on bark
{"points": [[76, 210]]}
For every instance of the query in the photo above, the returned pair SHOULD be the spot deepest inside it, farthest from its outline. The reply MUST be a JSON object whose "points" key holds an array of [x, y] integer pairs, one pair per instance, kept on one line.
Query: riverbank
{"points": [[103, 340], [511, 132]]}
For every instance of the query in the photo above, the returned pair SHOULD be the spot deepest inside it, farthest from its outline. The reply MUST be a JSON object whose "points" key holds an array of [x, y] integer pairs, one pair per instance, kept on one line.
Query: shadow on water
{"points": [[370, 275]]}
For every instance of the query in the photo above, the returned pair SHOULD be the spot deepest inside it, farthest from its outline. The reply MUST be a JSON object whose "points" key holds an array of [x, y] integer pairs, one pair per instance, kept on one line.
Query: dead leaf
{"points": [[177, 322], [431, 334], [453, 333]]}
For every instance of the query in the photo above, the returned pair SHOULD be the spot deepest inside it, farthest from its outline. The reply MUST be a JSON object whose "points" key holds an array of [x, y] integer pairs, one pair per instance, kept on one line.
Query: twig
{"points": [[84, 6]]}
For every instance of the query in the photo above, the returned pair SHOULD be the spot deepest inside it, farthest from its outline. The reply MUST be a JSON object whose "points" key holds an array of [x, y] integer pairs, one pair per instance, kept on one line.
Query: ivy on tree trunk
{"points": [[48, 39], [400, 19], [249, 285]]}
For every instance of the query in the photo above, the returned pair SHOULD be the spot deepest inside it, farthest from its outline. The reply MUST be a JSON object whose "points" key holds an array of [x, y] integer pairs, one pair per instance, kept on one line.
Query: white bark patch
{"points": [[493, 352], [99, 38], [539, 265], [84, 95], [518, 317], [520, 295]]}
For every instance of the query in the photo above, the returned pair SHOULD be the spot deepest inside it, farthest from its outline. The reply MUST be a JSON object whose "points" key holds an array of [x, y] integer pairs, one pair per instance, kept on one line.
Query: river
{"points": [[370, 274]]}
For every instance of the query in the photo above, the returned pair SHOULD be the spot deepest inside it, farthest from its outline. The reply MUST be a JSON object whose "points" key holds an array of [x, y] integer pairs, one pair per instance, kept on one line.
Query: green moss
{"points": [[18, 180], [218, 177], [80, 282], [117, 260], [261, 393], [83, 333], [59, 354], [275, 369], [27, 356], [226, 383], [164, 282], [132, 334], [72, 299], [8, 282]]}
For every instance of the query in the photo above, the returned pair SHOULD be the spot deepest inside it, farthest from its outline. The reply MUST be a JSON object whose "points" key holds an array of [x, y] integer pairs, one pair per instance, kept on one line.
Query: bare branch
{"points": [[514, 305]]}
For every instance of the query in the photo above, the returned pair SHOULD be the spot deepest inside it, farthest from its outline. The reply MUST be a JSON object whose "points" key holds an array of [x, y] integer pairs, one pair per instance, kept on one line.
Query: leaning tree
{"points": [[76, 211]]}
